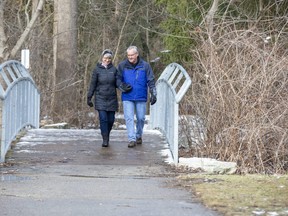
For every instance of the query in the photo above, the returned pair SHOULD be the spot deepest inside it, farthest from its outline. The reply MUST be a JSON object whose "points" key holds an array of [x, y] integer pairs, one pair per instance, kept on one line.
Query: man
{"points": [[138, 73]]}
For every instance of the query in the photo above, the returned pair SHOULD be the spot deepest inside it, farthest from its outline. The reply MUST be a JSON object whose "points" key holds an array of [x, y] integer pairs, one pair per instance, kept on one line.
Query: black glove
{"points": [[153, 97], [89, 102], [125, 87]]}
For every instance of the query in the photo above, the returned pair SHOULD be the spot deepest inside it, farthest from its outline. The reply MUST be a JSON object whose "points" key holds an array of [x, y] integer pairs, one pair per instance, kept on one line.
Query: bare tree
{"points": [[28, 29], [4, 54]]}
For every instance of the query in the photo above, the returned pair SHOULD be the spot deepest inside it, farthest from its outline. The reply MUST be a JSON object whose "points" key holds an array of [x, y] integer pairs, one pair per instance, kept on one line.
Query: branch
{"points": [[210, 16], [28, 29], [3, 37], [122, 29]]}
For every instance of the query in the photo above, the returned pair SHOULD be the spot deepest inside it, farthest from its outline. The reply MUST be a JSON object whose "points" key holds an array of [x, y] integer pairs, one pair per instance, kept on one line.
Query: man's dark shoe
{"points": [[139, 141], [131, 144]]}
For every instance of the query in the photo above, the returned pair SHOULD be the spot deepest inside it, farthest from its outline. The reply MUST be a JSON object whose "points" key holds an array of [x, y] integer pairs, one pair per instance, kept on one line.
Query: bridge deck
{"points": [[67, 172]]}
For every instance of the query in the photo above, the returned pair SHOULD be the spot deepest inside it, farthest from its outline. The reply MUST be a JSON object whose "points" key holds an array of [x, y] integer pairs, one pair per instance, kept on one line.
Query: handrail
{"points": [[171, 86], [19, 103]]}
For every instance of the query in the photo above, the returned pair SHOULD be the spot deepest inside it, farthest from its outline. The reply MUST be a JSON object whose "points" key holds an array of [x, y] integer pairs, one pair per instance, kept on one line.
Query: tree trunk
{"points": [[64, 98]]}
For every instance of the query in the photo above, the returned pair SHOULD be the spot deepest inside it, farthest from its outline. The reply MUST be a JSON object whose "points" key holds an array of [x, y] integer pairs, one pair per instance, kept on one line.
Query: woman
{"points": [[103, 87], [105, 79]]}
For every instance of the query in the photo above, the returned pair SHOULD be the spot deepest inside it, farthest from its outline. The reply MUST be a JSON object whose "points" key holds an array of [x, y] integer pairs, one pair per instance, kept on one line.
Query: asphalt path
{"points": [[67, 172]]}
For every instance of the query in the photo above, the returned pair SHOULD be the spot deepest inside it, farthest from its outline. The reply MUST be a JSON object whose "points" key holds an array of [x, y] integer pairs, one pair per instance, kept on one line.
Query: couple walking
{"points": [[133, 78]]}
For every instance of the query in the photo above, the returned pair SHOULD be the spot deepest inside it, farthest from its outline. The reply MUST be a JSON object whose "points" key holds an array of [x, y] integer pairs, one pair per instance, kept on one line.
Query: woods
{"points": [[234, 51]]}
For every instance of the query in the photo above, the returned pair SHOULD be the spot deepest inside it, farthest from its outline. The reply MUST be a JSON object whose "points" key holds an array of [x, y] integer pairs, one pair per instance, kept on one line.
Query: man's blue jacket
{"points": [[140, 76]]}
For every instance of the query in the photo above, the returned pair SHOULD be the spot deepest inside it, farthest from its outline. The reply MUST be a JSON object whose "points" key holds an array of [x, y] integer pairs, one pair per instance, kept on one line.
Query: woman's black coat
{"points": [[103, 86]]}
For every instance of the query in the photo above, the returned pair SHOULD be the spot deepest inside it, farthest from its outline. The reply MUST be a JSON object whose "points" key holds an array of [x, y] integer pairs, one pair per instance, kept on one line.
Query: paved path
{"points": [[67, 172]]}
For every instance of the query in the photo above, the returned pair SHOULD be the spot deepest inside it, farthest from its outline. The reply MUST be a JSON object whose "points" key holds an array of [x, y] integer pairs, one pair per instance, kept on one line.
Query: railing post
{"points": [[175, 132]]}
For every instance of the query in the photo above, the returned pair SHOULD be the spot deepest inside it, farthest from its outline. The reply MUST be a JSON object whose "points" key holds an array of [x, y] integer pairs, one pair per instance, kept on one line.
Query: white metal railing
{"points": [[171, 87], [19, 103]]}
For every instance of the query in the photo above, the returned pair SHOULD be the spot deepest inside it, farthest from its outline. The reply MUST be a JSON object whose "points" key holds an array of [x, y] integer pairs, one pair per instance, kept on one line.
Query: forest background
{"points": [[235, 52]]}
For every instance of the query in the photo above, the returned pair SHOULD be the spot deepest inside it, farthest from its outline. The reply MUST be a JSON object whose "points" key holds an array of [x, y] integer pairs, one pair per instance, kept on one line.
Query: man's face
{"points": [[132, 56]]}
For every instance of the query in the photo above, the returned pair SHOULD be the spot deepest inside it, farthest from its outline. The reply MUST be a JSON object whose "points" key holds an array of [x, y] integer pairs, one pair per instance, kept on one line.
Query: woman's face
{"points": [[106, 60]]}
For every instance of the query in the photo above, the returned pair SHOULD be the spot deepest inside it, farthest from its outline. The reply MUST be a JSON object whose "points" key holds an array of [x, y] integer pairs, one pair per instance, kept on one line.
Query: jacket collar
{"points": [[101, 66]]}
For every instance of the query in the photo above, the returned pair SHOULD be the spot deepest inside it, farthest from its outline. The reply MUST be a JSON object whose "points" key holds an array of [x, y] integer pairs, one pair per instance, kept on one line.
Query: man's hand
{"points": [[125, 87], [153, 97], [89, 102]]}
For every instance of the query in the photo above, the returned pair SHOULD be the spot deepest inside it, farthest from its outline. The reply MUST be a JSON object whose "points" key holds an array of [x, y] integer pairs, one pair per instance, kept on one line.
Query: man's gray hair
{"points": [[133, 48]]}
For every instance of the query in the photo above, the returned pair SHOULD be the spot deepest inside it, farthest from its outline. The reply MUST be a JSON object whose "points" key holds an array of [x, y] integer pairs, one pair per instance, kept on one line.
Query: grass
{"points": [[240, 194]]}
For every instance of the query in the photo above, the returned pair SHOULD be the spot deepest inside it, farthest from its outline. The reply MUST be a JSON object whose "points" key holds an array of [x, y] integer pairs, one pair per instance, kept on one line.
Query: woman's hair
{"points": [[107, 53]]}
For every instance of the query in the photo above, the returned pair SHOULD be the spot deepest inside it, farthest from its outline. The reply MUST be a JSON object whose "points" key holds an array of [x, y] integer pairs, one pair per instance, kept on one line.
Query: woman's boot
{"points": [[105, 138]]}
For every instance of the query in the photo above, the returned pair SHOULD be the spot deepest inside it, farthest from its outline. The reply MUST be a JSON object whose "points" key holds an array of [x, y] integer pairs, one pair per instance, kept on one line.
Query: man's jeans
{"points": [[129, 108], [107, 119]]}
